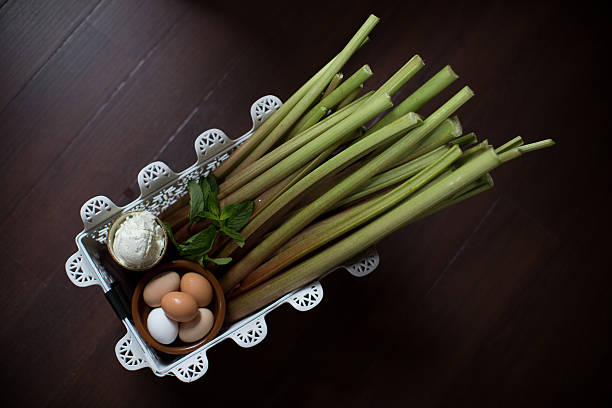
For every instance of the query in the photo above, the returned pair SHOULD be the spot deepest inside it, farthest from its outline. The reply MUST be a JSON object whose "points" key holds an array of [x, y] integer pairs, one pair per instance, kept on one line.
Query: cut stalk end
{"points": [[516, 142], [465, 140], [542, 144], [450, 72], [519, 151], [457, 128]]}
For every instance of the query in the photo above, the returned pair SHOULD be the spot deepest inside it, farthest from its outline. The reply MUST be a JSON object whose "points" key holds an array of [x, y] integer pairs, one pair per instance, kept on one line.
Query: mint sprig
{"points": [[229, 220], [204, 202]]}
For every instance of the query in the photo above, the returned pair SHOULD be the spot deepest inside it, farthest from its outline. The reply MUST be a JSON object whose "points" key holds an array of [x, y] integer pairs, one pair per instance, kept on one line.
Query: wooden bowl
{"points": [[140, 310], [111, 238]]}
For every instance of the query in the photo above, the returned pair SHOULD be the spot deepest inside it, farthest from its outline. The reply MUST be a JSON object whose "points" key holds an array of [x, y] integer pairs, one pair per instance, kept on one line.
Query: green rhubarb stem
{"points": [[290, 227], [519, 151], [332, 100], [311, 94], [333, 84], [348, 221], [333, 137], [474, 151], [393, 176], [258, 226], [511, 144], [421, 96], [375, 165], [439, 136], [486, 182], [532, 147], [482, 184], [308, 120], [230, 248], [235, 181], [267, 126], [372, 107], [355, 243], [466, 140], [270, 195], [254, 229], [350, 97], [402, 76]]}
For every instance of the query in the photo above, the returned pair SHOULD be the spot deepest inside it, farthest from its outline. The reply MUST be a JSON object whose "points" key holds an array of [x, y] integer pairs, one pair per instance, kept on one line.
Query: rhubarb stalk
{"points": [[292, 226], [310, 95], [372, 107], [358, 241], [328, 199], [235, 181], [330, 101], [420, 97], [347, 221]]}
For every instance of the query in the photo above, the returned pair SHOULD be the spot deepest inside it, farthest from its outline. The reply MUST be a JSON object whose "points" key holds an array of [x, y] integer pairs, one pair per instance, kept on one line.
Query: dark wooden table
{"points": [[503, 300]]}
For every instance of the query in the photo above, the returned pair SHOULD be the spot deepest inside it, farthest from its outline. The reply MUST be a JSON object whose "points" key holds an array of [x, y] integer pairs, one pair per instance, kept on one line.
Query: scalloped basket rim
{"points": [[202, 159]]}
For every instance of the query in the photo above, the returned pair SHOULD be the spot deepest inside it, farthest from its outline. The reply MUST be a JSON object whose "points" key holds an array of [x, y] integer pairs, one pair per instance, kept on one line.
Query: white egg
{"points": [[161, 327]]}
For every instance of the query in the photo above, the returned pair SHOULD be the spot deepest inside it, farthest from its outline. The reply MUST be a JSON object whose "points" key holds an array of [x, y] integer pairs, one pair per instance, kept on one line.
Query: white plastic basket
{"points": [[160, 187]]}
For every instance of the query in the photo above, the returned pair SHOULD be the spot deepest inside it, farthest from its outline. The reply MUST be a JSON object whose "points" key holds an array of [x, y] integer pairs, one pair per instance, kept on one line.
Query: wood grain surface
{"points": [[503, 300]]}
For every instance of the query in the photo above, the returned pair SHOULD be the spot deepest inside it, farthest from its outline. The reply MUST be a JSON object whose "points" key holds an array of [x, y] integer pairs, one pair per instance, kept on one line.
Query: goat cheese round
{"points": [[139, 241]]}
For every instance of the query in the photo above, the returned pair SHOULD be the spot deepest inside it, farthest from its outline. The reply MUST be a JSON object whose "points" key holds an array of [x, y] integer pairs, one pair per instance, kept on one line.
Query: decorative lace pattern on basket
{"points": [[365, 265], [263, 108], [212, 138], [307, 297], [164, 198], [129, 353], [251, 333], [153, 171], [94, 207], [192, 368], [78, 274]]}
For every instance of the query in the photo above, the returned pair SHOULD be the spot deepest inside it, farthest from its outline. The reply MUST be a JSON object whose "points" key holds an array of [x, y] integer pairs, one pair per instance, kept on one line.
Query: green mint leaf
{"points": [[187, 252], [198, 244], [207, 214], [212, 182], [231, 210], [218, 261], [196, 200], [205, 187], [210, 207], [237, 215], [210, 190], [233, 235], [214, 206]]}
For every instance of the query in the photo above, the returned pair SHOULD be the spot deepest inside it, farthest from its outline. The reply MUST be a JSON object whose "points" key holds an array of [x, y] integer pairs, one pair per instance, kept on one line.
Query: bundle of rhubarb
{"points": [[318, 182]]}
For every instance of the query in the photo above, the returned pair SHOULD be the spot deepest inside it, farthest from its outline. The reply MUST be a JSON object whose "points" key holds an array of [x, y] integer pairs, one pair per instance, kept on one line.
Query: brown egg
{"points": [[198, 327], [179, 306], [198, 287], [159, 286]]}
